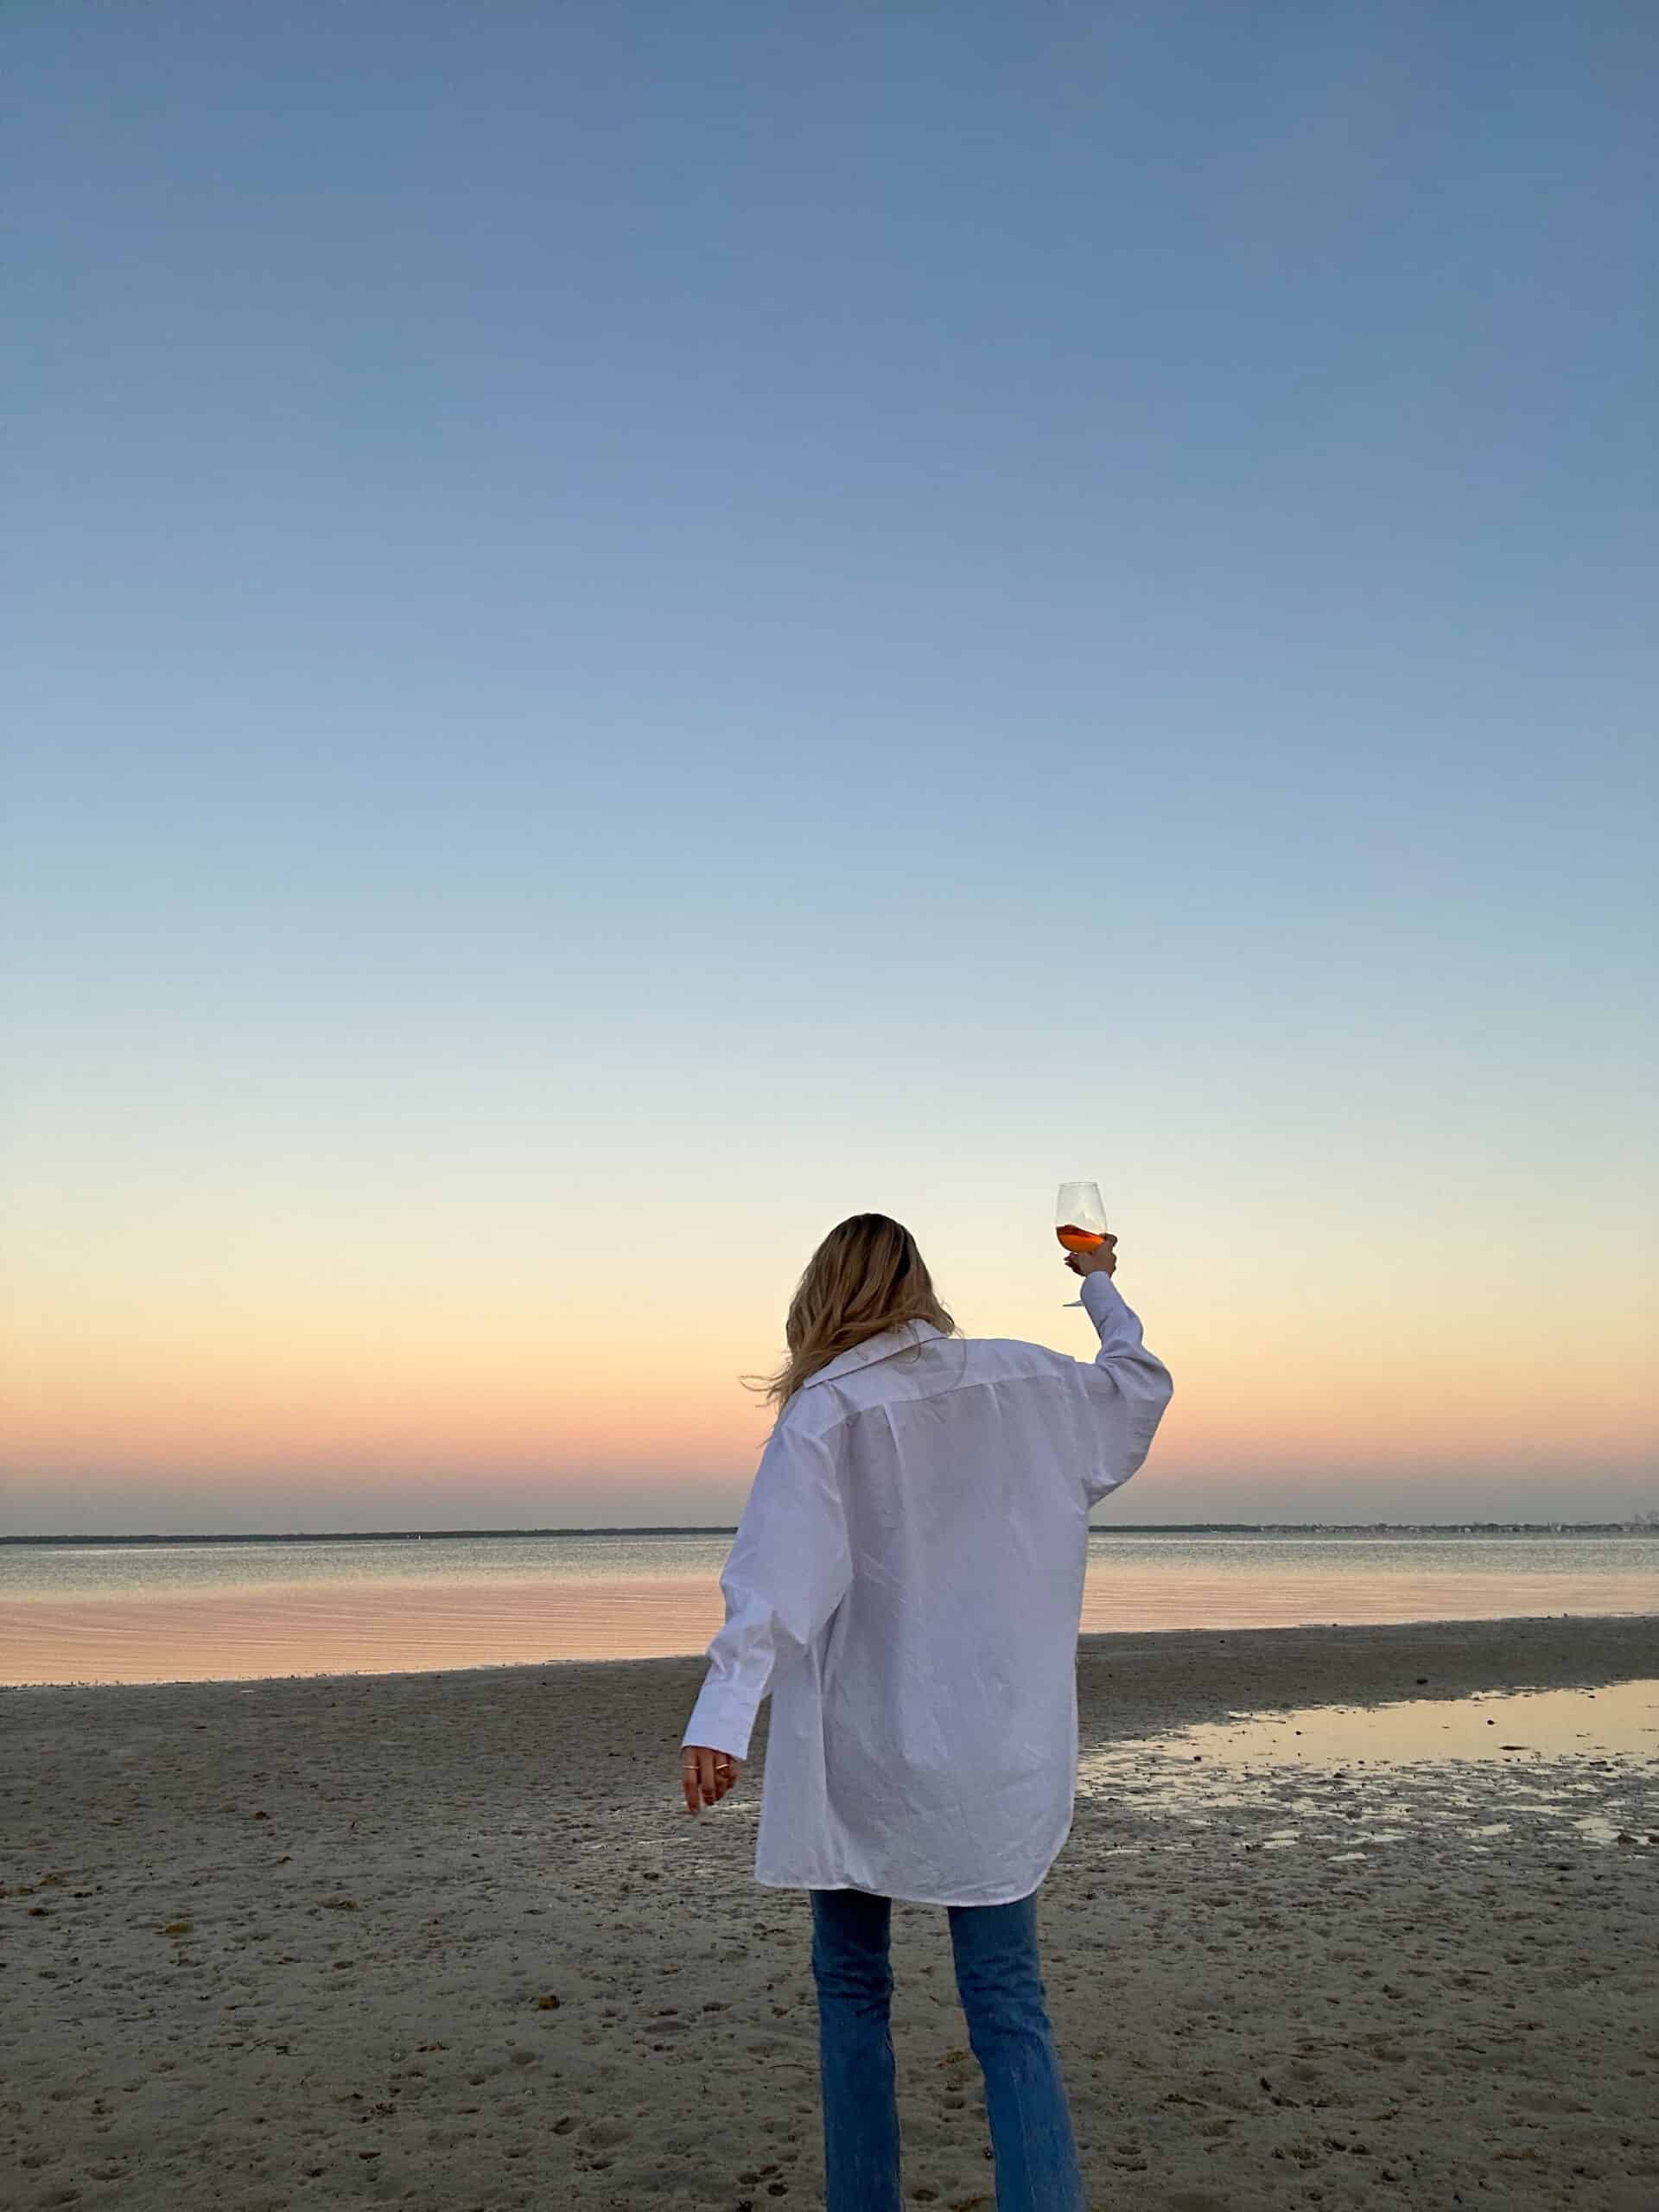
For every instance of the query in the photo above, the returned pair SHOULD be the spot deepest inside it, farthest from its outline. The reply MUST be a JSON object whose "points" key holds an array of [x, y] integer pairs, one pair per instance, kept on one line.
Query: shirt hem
{"points": [[906, 1896]]}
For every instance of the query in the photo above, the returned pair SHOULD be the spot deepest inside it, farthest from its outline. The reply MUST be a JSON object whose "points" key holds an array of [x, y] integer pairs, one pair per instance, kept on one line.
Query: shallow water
{"points": [[1349, 1782], [174, 1611]]}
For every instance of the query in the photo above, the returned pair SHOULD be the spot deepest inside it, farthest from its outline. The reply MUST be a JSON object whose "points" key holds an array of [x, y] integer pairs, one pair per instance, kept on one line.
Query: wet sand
{"points": [[452, 1941]]}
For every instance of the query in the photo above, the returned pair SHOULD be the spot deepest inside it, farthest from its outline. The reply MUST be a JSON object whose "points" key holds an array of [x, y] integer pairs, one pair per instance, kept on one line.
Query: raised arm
{"points": [[788, 1569], [1127, 1389]]}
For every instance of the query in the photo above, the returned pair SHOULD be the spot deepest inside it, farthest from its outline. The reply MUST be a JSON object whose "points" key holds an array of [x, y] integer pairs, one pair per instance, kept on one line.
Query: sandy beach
{"points": [[452, 1940]]}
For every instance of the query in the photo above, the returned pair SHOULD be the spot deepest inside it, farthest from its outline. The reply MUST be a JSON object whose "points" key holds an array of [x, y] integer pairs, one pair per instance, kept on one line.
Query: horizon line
{"points": [[1638, 1524]]}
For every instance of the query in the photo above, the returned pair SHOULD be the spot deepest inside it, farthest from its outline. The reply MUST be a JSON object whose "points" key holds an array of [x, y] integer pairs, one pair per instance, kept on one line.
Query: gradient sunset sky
{"points": [[640, 627]]}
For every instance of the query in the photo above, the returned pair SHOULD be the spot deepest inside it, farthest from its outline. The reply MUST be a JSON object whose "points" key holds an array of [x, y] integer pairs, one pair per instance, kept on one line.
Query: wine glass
{"points": [[1080, 1220]]}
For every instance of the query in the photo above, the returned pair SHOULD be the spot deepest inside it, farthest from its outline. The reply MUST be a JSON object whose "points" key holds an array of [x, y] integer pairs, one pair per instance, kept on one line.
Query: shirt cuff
{"points": [[721, 1720], [1101, 1296]]}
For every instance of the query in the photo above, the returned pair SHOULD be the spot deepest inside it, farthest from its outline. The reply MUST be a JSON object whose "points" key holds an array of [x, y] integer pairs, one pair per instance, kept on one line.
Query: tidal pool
{"points": [[1487, 1771]]}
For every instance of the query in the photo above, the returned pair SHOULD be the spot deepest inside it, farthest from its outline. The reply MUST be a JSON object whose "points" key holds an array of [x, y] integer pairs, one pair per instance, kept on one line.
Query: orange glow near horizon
{"points": [[449, 1369], [434, 1390]]}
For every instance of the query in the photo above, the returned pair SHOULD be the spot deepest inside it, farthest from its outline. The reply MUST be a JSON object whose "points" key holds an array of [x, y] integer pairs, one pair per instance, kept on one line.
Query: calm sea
{"points": [[121, 1612]]}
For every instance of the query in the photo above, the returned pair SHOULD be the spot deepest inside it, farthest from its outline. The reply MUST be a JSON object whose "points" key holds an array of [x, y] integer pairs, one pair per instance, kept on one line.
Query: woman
{"points": [[908, 1582]]}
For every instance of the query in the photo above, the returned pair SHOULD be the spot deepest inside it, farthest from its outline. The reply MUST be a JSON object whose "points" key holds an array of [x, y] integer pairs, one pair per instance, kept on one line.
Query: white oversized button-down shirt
{"points": [[908, 1582]]}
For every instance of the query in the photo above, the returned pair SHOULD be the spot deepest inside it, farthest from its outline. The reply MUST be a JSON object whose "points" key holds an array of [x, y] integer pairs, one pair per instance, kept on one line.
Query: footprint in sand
{"points": [[605, 2134], [1548, 2103]]}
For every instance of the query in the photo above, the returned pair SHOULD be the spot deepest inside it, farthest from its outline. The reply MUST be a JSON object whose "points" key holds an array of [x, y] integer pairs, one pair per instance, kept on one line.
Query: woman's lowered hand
{"points": [[706, 1774]]}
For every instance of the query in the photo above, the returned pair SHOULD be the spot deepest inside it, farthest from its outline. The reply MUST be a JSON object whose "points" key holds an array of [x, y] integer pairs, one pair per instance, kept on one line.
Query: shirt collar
{"points": [[899, 1337]]}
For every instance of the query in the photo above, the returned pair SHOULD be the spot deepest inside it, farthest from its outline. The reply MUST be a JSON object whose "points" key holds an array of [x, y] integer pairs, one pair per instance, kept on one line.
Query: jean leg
{"points": [[994, 1946], [851, 1966]]}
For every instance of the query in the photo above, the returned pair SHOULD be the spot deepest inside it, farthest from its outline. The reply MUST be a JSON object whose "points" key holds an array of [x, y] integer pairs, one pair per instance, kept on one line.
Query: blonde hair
{"points": [[865, 1277]]}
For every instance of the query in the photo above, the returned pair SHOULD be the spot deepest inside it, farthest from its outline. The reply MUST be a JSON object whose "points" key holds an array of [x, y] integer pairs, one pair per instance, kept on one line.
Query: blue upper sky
{"points": [[1035, 578]]}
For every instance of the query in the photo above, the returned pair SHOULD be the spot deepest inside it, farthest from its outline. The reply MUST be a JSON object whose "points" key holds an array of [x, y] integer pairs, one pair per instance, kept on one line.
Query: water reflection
{"points": [[238, 1634], [1582, 1765], [173, 1612], [1620, 1716]]}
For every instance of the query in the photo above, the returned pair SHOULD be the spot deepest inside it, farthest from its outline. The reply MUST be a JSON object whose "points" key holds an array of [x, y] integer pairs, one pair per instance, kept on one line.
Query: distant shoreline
{"points": [[728, 1528]]}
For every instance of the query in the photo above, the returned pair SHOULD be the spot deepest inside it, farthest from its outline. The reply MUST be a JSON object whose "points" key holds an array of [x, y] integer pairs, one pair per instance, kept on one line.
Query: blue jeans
{"points": [[994, 1946]]}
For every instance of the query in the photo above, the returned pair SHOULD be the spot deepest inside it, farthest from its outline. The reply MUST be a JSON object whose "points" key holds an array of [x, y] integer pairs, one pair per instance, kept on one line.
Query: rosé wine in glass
{"points": [[1080, 1220]]}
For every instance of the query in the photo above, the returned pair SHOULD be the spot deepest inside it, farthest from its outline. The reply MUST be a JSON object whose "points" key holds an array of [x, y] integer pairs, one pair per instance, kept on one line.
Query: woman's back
{"points": [[907, 1581]]}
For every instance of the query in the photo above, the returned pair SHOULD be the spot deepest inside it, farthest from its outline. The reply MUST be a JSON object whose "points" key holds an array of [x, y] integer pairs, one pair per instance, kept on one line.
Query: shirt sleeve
{"points": [[787, 1571], [1126, 1388]]}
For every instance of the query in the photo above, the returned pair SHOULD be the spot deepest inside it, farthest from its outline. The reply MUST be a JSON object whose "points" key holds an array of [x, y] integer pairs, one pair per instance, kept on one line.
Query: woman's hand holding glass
{"points": [[1103, 1261], [1100, 1261]]}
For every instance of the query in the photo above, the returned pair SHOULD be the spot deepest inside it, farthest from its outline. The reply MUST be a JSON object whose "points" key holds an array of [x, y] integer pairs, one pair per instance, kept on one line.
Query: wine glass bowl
{"points": [[1079, 1217], [1079, 1220]]}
